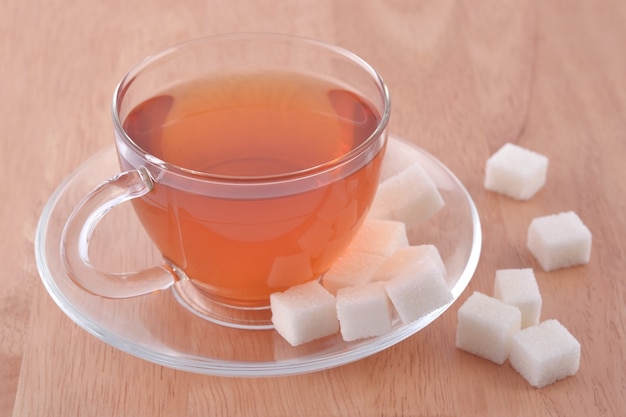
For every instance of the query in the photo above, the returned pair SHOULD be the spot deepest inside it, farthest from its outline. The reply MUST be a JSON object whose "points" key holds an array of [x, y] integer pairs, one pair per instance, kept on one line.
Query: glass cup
{"points": [[250, 160]]}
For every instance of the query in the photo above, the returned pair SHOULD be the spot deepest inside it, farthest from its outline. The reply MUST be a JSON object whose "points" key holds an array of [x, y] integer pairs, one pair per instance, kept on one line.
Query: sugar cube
{"points": [[363, 311], [519, 287], [304, 313], [545, 353], [414, 285], [431, 251], [485, 326], [380, 237], [398, 156], [410, 197], [352, 268], [404, 261], [516, 172], [559, 241]]}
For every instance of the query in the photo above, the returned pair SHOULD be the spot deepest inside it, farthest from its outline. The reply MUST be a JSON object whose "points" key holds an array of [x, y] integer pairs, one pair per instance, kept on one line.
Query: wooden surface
{"points": [[465, 77]]}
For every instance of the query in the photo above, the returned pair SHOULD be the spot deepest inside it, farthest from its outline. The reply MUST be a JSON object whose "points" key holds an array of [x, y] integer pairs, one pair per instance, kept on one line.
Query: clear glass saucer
{"points": [[158, 329]]}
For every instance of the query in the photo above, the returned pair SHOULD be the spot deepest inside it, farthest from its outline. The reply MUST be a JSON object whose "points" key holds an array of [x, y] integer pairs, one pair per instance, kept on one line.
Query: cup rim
{"points": [[128, 78]]}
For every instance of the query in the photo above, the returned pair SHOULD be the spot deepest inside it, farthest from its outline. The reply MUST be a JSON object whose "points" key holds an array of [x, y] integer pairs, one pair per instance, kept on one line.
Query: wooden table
{"points": [[465, 78]]}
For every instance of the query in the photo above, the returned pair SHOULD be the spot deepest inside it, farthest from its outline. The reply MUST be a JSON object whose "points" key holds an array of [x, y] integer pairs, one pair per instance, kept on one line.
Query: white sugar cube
{"points": [[545, 353], [398, 157], [559, 241], [405, 261], [415, 285], [519, 287], [363, 311], [304, 313], [380, 237], [410, 197], [485, 327], [432, 252], [352, 268], [516, 172]]}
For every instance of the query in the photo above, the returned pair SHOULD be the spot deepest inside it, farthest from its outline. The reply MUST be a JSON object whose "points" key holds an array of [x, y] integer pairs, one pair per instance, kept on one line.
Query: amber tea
{"points": [[250, 159], [244, 128]]}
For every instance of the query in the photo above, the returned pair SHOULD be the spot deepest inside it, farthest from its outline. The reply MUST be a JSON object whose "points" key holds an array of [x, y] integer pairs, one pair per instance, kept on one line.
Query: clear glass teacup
{"points": [[251, 160]]}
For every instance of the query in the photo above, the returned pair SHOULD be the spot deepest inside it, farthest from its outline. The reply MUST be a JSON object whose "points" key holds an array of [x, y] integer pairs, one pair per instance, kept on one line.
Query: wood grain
{"points": [[465, 78]]}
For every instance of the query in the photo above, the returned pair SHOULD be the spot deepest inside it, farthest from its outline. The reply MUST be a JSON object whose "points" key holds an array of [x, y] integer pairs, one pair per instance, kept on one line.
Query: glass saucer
{"points": [[158, 329]]}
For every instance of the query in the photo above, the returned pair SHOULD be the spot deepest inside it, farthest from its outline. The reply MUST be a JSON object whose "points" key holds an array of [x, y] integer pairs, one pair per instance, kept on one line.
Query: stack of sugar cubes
{"points": [[380, 276], [507, 325]]}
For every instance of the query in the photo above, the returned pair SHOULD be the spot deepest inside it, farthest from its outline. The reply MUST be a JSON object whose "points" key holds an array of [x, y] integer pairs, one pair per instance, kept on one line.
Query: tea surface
{"points": [[259, 124]]}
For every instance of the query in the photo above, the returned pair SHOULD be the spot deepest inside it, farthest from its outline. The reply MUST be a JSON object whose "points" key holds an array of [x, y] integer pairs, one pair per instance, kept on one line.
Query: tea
{"points": [[255, 127]]}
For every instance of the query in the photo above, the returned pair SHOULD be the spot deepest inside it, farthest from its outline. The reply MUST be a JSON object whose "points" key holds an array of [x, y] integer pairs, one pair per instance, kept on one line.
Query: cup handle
{"points": [[80, 227]]}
